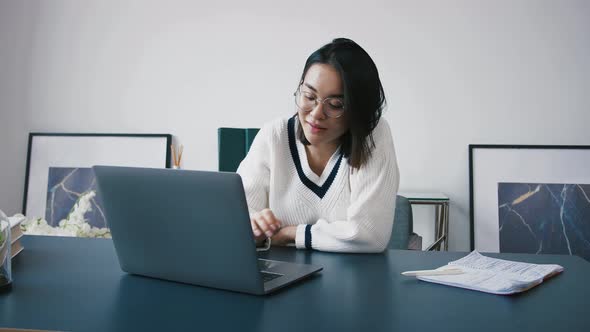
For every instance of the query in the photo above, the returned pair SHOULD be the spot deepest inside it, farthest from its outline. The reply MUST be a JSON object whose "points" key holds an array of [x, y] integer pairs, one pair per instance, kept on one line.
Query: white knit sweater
{"points": [[343, 210]]}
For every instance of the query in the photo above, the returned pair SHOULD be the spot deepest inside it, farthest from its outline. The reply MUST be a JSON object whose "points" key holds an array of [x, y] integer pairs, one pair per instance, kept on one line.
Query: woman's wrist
{"points": [[285, 236]]}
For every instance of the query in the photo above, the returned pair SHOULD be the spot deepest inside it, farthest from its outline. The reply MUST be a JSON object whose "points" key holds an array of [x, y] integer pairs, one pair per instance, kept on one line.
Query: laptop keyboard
{"points": [[268, 276]]}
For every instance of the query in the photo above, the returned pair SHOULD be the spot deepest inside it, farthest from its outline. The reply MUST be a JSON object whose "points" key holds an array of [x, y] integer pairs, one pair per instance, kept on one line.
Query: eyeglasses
{"points": [[307, 101]]}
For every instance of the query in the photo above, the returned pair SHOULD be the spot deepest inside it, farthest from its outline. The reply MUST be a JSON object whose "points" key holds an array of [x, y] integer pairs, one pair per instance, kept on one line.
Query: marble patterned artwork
{"points": [[64, 187], [544, 218]]}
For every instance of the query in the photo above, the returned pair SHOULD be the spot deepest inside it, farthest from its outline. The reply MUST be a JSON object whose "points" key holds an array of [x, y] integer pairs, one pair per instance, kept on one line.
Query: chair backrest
{"points": [[403, 225], [234, 143]]}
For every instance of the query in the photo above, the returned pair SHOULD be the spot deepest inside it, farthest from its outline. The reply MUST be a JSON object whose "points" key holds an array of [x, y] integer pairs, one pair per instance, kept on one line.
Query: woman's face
{"points": [[322, 81]]}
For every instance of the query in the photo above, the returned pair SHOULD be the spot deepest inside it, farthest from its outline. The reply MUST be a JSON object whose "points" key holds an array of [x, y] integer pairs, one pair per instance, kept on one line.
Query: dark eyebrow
{"points": [[316, 91], [311, 87]]}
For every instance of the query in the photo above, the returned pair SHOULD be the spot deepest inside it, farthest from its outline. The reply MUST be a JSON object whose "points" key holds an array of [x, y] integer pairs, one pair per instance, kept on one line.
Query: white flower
{"points": [[73, 225]]}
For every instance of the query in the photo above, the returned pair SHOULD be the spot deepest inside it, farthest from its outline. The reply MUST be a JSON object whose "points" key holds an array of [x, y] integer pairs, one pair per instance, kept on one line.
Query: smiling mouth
{"points": [[315, 127]]}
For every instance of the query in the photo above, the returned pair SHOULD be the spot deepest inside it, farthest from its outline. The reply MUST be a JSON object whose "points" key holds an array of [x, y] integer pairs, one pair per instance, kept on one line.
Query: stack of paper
{"points": [[15, 234], [492, 275]]}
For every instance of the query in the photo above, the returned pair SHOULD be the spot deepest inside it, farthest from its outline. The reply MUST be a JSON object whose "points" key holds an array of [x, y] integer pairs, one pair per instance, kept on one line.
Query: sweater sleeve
{"points": [[255, 170], [369, 221]]}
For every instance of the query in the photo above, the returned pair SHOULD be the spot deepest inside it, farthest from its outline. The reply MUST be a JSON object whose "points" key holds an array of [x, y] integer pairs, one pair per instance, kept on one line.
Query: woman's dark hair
{"points": [[364, 99]]}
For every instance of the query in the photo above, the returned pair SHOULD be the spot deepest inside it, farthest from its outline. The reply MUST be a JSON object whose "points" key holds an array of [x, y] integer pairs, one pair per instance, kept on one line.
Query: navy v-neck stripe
{"points": [[320, 191]]}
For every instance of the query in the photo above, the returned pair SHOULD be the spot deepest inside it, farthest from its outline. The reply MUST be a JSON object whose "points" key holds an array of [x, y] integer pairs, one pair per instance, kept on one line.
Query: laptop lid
{"points": [[180, 225]]}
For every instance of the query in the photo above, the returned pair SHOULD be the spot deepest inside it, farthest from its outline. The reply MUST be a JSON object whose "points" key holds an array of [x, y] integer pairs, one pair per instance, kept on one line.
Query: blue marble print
{"points": [[544, 218], [65, 185]]}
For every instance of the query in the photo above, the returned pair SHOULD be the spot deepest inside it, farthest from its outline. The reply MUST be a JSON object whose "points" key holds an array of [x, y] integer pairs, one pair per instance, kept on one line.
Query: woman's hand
{"points": [[285, 236], [264, 224]]}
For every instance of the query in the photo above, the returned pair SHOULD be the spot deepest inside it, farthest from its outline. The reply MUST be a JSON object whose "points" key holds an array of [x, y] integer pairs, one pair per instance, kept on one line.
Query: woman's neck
{"points": [[319, 156]]}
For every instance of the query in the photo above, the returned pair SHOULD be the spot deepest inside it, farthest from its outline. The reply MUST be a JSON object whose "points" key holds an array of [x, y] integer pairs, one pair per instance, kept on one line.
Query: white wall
{"points": [[455, 73], [16, 35]]}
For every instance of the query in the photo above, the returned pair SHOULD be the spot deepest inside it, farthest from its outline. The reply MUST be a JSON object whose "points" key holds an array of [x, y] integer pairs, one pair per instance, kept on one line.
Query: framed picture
{"points": [[59, 174], [530, 199]]}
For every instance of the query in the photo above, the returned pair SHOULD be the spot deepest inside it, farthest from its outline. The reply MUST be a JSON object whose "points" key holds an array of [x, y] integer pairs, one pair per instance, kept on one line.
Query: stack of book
{"points": [[15, 234]]}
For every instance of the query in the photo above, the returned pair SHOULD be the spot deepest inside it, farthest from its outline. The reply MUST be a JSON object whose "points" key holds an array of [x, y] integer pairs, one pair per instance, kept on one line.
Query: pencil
{"points": [[180, 154], [173, 155]]}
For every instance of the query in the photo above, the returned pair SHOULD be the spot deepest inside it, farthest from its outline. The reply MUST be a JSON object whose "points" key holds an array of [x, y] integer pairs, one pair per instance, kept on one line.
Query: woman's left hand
{"points": [[285, 236]]}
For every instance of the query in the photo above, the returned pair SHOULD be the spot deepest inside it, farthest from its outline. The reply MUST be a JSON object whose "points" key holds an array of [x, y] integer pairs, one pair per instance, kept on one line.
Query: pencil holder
{"points": [[5, 263], [176, 157]]}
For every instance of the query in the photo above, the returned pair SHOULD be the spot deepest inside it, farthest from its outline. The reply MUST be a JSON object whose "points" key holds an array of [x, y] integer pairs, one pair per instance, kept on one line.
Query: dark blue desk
{"points": [[76, 285]]}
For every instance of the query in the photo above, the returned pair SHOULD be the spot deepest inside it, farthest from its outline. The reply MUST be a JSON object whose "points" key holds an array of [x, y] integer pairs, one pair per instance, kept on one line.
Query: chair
{"points": [[234, 143]]}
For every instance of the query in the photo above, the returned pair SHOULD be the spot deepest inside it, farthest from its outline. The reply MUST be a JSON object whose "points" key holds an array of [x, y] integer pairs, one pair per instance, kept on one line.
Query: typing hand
{"points": [[264, 224]]}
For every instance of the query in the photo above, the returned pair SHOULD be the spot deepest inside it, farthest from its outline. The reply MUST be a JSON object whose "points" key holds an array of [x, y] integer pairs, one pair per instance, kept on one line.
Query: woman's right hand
{"points": [[264, 225]]}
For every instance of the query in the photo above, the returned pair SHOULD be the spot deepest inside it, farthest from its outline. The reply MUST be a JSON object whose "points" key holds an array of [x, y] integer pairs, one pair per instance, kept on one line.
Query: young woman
{"points": [[326, 178]]}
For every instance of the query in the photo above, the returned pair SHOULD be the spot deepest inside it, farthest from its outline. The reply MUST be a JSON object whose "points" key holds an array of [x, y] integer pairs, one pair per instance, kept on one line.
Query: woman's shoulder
{"points": [[275, 128], [382, 138], [383, 151], [382, 131], [277, 124]]}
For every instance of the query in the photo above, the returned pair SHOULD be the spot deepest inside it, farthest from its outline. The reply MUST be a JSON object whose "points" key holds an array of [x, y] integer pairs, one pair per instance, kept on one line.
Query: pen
{"points": [[432, 272]]}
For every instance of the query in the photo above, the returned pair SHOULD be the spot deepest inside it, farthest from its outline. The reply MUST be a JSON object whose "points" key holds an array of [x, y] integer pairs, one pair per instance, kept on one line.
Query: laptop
{"points": [[188, 226]]}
